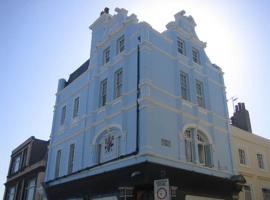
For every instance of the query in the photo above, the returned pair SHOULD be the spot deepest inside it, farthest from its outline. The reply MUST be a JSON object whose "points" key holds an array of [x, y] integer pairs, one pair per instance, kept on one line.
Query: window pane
{"points": [[184, 86], [11, 193], [63, 114], [30, 189], [266, 194], [242, 156], [103, 93], [76, 107], [247, 192], [106, 55], [195, 55], [200, 93], [201, 153], [208, 155], [71, 158], [121, 44], [189, 145], [181, 46], [118, 78], [16, 164], [57, 164], [260, 161]]}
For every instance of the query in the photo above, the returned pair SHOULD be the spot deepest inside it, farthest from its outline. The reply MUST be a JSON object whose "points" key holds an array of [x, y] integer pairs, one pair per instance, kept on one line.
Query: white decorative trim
{"points": [[202, 110], [107, 128], [198, 127], [117, 100], [177, 111], [187, 103]]}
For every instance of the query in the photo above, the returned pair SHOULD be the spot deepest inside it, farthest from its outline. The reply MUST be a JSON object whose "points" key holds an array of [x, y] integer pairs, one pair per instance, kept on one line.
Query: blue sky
{"points": [[42, 41]]}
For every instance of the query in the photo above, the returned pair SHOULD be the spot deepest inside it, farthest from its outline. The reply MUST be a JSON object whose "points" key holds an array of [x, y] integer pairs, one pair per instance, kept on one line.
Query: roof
{"points": [[78, 72], [26, 142]]}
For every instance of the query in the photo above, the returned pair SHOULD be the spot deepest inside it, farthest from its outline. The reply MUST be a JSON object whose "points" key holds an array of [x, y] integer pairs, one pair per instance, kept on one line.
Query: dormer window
{"points": [[106, 55], [121, 44], [195, 55]]}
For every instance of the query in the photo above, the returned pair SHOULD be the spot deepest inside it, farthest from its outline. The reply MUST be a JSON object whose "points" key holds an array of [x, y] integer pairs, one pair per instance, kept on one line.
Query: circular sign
{"points": [[162, 193]]}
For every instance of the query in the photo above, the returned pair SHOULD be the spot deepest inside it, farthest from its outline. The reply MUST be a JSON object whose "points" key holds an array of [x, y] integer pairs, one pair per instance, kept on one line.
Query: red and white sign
{"points": [[161, 189]]}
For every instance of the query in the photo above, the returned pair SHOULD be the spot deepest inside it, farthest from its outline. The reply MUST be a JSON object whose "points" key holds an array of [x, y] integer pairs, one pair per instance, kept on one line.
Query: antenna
{"points": [[233, 99]]}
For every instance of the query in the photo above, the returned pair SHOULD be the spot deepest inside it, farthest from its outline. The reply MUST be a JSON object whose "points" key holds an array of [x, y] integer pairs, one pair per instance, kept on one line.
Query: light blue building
{"points": [[145, 106]]}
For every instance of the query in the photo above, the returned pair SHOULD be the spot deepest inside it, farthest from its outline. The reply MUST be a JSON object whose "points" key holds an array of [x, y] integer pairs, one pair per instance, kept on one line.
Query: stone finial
{"points": [[121, 11], [180, 16], [106, 10], [182, 12]]}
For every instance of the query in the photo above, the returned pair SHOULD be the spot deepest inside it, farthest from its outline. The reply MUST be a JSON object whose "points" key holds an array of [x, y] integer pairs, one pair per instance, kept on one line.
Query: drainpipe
{"points": [[138, 96]]}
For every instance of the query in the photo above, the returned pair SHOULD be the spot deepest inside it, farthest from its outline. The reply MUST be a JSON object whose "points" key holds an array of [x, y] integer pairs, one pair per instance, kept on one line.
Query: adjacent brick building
{"points": [[26, 171]]}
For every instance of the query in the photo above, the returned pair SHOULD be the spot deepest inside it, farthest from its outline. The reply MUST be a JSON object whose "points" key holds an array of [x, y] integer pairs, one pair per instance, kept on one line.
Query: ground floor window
{"points": [[266, 194], [126, 193], [247, 192]]}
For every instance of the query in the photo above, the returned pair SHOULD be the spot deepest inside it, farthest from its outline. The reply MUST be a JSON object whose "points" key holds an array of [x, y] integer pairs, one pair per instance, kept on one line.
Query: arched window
{"points": [[198, 148], [108, 145]]}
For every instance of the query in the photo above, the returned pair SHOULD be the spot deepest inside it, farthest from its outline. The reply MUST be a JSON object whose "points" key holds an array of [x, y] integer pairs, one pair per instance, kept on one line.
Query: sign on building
{"points": [[161, 189]]}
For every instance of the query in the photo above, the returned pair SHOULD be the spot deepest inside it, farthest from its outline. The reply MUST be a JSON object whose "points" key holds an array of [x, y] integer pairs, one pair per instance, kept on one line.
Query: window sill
{"points": [[263, 170], [180, 57], [117, 100], [75, 121], [243, 165], [101, 109], [186, 103], [197, 65], [202, 110]]}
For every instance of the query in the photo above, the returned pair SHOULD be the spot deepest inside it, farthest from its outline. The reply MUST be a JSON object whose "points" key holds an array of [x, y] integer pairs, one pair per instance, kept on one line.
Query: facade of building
{"points": [[252, 157], [145, 106], [27, 170]]}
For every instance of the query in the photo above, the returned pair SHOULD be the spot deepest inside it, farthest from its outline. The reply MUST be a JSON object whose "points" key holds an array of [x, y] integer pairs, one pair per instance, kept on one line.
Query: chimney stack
{"points": [[241, 118]]}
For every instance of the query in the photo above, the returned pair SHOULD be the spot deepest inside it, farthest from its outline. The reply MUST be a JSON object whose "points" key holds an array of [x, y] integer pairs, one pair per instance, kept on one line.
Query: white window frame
{"points": [[63, 115], [260, 161], [191, 137], [189, 145], [196, 55], [264, 159], [242, 155], [103, 92], [267, 193], [184, 82], [200, 98], [120, 44], [101, 154], [126, 193], [118, 83], [106, 55], [248, 191], [76, 107], [57, 163], [71, 157], [181, 46]]}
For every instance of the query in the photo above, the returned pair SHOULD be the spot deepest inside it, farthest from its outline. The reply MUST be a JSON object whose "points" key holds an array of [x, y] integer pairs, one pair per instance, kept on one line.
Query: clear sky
{"points": [[42, 41]]}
